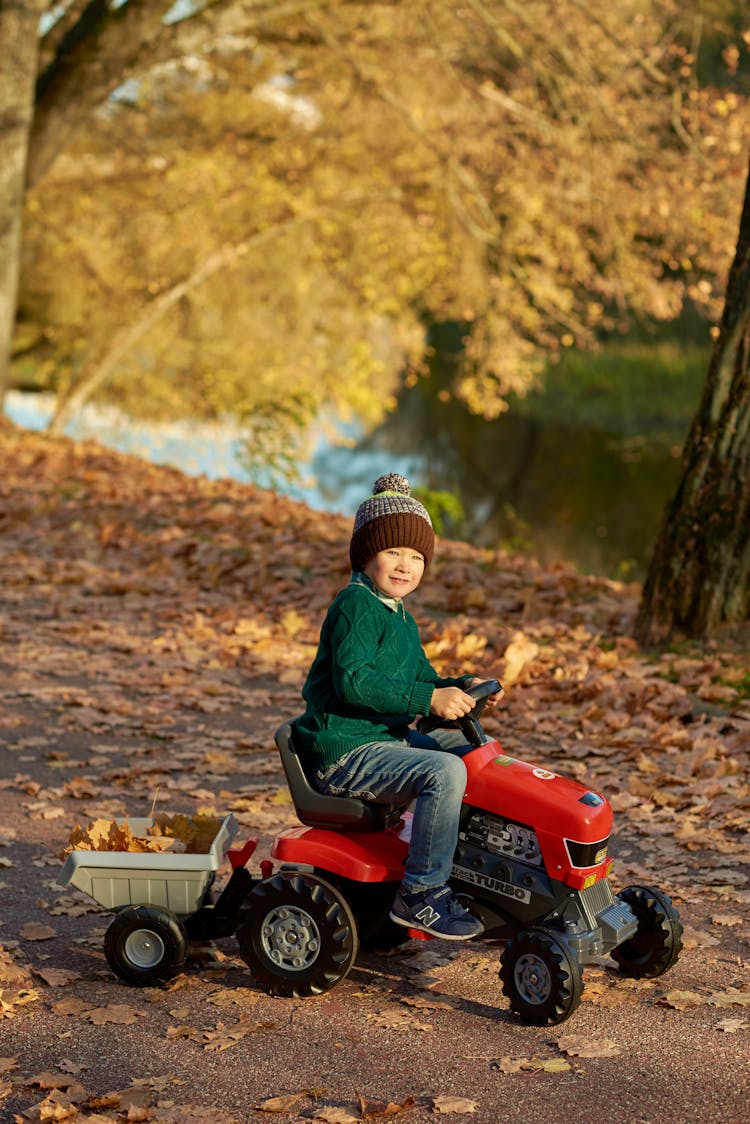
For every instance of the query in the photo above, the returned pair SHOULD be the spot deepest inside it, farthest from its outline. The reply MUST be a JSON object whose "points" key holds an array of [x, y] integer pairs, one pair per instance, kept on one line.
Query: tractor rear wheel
{"points": [[297, 935]]}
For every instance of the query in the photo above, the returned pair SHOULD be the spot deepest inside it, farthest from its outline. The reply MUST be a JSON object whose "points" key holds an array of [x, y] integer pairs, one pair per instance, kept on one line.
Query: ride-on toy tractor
{"points": [[531, 863]]}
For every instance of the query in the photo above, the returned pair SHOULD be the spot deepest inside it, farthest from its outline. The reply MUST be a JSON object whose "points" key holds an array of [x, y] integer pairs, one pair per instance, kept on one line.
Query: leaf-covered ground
{"points": [[154, 631]]}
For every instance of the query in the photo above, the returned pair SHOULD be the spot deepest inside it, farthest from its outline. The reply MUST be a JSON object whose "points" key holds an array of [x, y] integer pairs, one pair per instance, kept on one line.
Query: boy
{"points": [[368, 681]]}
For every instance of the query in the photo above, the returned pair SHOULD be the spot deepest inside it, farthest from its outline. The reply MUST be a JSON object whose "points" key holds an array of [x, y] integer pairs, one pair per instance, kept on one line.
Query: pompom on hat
{"points": [[391, 517]]}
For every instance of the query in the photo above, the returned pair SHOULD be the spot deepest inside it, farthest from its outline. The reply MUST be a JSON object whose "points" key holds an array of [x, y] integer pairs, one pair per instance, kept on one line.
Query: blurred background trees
{"points": [[535, 170], [257, 209]]}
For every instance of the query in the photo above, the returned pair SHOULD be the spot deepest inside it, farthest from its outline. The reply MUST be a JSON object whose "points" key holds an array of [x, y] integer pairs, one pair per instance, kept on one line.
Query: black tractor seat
{"points": [[318, 809]]}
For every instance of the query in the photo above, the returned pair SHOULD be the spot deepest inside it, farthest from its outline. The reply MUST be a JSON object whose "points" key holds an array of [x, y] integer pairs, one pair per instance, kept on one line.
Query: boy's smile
{"points": [[396, 571]]}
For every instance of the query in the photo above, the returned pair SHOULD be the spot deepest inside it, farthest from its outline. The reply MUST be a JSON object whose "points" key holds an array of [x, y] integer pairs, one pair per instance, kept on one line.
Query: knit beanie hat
{"points": [[391, 517]]}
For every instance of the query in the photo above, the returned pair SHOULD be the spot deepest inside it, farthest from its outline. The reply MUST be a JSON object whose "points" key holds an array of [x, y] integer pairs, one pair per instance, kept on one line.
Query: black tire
{"points": [[657, 943], [540, 978], [145, 946], [297, 935]]}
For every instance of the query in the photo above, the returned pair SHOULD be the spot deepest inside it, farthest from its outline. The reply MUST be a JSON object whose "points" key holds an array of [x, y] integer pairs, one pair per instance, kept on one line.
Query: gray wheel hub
{"points": [[144, 948], [290, 938], [532, 979]]}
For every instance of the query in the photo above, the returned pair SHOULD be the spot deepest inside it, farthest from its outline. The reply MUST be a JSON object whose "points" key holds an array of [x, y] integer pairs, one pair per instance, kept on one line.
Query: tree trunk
{"points": [[699, 575], [99, 53], [19, 36]]}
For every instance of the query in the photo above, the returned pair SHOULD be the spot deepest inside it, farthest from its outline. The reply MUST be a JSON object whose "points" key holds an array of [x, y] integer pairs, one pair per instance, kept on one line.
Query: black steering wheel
{"points": [[469, 724]]}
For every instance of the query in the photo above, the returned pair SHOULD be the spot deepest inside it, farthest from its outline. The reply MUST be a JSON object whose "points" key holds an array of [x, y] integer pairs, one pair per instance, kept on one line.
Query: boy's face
{"points": [[396, 571]]}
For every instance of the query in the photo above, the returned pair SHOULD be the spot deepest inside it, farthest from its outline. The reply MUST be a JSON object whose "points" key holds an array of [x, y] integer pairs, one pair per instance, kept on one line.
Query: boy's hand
{"points": [[491, 700], [451, 703]]}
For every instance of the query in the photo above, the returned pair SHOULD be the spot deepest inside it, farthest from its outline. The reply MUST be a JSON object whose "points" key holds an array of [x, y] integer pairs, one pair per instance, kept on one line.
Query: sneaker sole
{"points": [[434, 932]]}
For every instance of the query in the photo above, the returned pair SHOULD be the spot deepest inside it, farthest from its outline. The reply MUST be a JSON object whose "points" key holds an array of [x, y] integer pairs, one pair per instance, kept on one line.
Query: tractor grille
{"points": [[595, 899]]}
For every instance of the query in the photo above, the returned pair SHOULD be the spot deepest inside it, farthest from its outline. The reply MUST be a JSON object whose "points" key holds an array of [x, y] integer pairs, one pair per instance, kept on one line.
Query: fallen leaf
{"points": [[36, 931], [459, 1105], [10, 972], [56, 1106], [425, 1003], [222, 1037], [396, 1020], [732, 1023], [106, 1100], [726, 875], [9, 1000], [520, 652], [680, 1000], [549, 1065], [68, 1066], [56, 977], [119, 1013], [508, 1065], [69, 1006], [732, 997], [518, 1065], [182, 1032], [578, 1046], [369, 1107], [233, 997], [697, 938], [604, 994], [158, 1084], [335, 1116], [48, 1080], [284, 1103]]}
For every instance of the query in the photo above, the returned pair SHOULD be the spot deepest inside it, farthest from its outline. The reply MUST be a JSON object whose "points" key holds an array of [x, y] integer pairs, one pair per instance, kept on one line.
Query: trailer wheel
{"points": [[297, 935], [540, 978], [145, 946], [657, 943]]}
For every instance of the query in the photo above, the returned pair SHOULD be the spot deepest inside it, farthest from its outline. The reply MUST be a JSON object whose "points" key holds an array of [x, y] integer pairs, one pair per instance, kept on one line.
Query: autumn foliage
{"points": [[172, 596], [541, 172], [154, 631], [179, 834]]}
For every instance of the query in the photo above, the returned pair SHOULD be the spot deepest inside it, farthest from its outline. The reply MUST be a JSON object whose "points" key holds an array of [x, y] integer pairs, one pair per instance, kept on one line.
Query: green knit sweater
{"points": [[369, 679]]}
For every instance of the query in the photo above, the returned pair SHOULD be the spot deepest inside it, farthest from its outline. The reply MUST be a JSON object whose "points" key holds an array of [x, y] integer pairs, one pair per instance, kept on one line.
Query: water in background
{"points": [[560, 493], [213, 450]]}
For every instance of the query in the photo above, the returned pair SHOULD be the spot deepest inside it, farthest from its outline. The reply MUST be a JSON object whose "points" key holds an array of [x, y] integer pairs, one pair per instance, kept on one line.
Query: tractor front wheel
{"points": [[297, 935], [657, 942], [540, 977]]}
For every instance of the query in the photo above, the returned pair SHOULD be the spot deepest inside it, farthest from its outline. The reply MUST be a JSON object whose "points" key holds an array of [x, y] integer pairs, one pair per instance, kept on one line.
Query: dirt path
{"points": [[427, 1023]]}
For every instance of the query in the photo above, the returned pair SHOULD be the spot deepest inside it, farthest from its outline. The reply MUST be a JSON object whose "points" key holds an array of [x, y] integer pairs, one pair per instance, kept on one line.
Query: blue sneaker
{"points": [[435, 912]]}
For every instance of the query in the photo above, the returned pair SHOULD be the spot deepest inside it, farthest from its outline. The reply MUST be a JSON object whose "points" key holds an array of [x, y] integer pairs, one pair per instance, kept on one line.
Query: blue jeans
{"points": [[426, 768]]}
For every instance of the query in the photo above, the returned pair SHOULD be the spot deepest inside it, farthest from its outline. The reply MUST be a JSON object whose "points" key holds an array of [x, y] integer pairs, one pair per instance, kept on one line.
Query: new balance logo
{"points": [[427, 915]]}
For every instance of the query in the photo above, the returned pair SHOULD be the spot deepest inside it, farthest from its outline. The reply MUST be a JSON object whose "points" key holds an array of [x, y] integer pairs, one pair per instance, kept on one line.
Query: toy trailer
{"points": [[161, 899]]}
